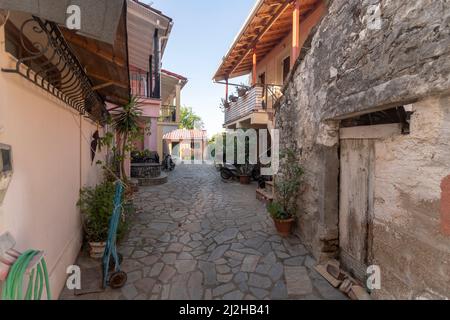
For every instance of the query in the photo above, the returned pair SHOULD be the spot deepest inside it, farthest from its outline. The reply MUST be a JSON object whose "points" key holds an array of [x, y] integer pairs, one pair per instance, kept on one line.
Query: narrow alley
{"points": [[197, 237]]}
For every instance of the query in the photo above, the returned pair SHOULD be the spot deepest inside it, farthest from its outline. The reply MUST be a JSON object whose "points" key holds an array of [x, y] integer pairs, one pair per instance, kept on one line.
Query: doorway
{"points": [[356, 205]]}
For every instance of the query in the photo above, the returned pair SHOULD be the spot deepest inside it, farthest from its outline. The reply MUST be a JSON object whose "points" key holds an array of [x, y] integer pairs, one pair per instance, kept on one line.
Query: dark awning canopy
{"points": [[99, 18]]}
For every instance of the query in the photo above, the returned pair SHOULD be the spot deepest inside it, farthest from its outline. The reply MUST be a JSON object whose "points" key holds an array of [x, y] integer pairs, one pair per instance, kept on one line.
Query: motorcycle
{"points": [[168, 164]]}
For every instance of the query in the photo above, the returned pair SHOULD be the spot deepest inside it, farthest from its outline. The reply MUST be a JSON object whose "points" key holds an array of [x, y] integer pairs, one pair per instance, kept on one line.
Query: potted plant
{"points": [[242, 90], [96, 205], [224, 104], [245, 172], [287, 187], [233, 98], [282, 219]]}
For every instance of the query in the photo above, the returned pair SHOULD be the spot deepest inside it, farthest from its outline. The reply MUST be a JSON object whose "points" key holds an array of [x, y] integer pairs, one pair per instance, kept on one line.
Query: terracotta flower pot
{"points": [[244, 179], [96, 249], [284, 227]]}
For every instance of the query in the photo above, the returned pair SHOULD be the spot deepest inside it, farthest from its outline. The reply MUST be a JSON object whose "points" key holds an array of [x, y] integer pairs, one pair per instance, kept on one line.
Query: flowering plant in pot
{"points": [[96, 205], [233, 98], [287, 186]]}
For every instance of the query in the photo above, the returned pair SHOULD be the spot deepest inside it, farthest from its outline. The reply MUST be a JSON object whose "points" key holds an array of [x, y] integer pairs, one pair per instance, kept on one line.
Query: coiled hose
{"points": [[12, 288]]}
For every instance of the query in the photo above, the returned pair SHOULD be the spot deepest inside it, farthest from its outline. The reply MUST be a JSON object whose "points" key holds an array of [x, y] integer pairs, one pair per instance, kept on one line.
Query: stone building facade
{"points": [[367, 110]]}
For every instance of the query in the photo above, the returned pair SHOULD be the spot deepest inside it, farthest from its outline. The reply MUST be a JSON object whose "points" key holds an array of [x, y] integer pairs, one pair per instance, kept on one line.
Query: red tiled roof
{"points": [[173, 74], [184, 134]]}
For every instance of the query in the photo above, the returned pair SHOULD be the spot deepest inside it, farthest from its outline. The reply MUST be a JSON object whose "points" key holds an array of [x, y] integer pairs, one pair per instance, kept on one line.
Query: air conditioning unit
{"points": [[6, 170]]}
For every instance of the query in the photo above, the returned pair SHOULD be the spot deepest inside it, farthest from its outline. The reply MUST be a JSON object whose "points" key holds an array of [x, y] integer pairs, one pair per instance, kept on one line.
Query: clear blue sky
{"points": [[203, 31]]}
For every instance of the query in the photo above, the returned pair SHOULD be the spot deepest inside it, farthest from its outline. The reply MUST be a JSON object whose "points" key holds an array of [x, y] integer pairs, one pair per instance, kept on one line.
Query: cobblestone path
{"points": [[197, 237]]}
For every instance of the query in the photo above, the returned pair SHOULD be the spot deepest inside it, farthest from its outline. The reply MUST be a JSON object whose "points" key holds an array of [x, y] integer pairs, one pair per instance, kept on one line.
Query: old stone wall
{"points": [[408, 242], [357, 64]]}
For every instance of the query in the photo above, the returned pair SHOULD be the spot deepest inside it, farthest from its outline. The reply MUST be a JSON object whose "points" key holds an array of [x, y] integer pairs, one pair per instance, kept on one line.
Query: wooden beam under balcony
{"points": [[107, 80]]}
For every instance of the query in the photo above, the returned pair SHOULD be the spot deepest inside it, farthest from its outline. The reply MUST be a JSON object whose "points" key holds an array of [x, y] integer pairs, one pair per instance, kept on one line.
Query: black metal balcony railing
{"points": [[168, 114], [141, 85]]}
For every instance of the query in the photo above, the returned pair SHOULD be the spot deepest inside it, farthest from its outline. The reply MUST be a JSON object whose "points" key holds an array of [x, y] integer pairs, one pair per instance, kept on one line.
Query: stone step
{"points": [[264, 196], [269, 183], [146, 182]]}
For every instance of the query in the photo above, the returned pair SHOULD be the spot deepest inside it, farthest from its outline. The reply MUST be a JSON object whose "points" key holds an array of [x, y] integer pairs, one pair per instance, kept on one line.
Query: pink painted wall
{"points": [[150, 110], [51, 160], [151, 141]]}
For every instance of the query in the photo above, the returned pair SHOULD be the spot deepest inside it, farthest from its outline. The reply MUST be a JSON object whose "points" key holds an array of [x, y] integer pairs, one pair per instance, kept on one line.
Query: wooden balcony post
{"points": [[178, 102], [226, 90], [254, 68], [295, 33]]}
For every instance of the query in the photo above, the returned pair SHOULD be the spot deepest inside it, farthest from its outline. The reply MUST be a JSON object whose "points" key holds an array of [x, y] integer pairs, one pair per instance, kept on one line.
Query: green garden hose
{"points": [[12, 288]]}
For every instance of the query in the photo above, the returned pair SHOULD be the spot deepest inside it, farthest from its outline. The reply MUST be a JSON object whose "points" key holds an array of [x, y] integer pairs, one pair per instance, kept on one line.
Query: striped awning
{"points": [[184, 134]]}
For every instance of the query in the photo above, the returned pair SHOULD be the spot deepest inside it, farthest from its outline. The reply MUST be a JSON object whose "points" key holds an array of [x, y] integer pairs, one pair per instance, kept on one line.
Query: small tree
{"points": [[287, 187], [189, 120], [127, 125]]}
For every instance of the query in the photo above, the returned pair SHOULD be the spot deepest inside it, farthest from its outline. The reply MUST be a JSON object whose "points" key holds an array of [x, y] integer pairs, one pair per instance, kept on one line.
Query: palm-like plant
{"points": [[127, 123]]}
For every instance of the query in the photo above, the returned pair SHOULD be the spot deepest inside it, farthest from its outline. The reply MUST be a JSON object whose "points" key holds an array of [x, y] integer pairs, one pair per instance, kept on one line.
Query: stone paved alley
{"points": [[197, 237]]}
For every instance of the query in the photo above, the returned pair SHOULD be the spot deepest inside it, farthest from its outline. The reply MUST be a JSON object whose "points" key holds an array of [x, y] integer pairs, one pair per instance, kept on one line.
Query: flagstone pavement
{"points": [[197, 237]]}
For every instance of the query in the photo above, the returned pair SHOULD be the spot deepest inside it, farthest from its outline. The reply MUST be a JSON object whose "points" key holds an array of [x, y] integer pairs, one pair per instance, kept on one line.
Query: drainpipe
{"points": [[157, 57]]}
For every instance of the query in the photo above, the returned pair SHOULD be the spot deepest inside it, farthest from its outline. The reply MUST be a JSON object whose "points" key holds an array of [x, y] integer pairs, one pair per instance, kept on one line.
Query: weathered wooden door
{"points": [[356, 204]]}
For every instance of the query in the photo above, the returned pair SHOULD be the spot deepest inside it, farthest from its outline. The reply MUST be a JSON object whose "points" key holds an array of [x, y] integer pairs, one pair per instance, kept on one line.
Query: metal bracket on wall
{"points": [[6, 170]]}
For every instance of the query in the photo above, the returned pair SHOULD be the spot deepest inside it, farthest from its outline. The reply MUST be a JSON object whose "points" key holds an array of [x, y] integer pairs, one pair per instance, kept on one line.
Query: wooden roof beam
{"points": [[250, 47], [106, 80], [92, 48]]}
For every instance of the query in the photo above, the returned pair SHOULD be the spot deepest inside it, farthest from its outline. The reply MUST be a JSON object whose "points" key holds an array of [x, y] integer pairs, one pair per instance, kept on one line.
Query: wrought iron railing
{"points": [[168, 114], [142, 85], [47, 61]]}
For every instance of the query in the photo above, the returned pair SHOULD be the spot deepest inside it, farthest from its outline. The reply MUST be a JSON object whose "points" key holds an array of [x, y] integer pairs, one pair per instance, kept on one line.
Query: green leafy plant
{"points": [[287, 186], [96, 205], [189, 119], [277, 212], [245, 169]]}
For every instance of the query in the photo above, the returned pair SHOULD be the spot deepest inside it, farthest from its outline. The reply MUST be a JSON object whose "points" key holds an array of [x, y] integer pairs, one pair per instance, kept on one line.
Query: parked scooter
{"points": [[168, 164], [230, 171]]}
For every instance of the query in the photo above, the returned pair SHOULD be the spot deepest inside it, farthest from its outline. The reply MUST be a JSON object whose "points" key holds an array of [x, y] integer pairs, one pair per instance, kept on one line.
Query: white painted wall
{"points": [[51, 162]]}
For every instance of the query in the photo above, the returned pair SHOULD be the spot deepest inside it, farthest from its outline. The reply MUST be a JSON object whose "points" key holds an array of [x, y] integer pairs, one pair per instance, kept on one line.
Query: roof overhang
{"points": [[142, 21], [105, 64], [268, 23], [169, 82], [99, 18]]}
